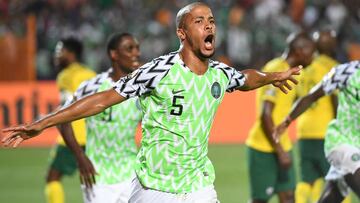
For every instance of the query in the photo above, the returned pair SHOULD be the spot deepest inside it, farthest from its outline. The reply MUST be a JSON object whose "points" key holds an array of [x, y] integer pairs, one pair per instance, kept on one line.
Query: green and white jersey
{"points": [[110, 142], [178, 110], [345, 129]]}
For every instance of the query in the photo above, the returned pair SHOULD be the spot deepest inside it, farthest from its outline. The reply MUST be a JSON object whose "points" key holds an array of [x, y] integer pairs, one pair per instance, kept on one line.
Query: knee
{"points": [[287, 197], [53, 175]]}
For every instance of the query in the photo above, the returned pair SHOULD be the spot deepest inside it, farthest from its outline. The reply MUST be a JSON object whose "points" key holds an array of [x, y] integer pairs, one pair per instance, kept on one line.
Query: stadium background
{"points": [[249, 33]]}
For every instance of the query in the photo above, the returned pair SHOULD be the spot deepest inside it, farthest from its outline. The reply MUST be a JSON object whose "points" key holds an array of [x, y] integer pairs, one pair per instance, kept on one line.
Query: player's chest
{"points": [[188, 93]]}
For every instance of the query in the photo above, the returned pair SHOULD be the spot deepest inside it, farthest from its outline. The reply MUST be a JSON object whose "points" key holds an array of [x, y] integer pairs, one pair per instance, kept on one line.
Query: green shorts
{"points": [[63, 160], [266, 176], [313, 164]]}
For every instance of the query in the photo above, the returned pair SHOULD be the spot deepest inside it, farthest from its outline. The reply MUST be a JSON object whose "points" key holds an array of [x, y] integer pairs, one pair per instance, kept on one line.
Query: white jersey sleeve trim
{"points": [[88, 87], [338, 76], [236, 78], [145, 79]]}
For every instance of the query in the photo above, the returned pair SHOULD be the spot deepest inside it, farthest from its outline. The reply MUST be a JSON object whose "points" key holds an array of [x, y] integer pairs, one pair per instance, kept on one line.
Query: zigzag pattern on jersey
{"points": [[113, 150], [346, 127], [236, 78], [91, 86], [111, 143], [147, 77], [338, 76], [174, 150]]}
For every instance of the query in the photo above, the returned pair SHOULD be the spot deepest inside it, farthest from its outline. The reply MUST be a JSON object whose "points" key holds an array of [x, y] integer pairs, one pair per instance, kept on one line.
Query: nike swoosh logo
{"points": [[177, 92]]}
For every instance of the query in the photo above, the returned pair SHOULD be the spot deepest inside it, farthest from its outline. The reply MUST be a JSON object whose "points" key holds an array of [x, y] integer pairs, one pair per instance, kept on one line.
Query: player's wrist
{"points": [[278, 149], [288, 120], [80, 155], [38, 125]]}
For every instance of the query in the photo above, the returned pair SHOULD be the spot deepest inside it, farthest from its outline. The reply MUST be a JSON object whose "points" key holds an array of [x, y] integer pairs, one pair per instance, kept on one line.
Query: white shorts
{"points": [[114, 193], [344, 159], [144, 195]]}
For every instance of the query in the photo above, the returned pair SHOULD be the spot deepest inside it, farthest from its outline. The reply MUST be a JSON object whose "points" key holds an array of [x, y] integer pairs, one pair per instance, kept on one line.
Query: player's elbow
{"points": [[100, 107]]}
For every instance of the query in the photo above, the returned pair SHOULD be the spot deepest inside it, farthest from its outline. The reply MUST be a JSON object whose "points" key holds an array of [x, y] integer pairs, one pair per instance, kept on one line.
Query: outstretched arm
{"points": [[299, 107], [88, 106], [256, 79]]}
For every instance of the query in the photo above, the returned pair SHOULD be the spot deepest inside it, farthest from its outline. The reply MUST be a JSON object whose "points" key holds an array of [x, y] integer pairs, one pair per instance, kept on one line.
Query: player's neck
{"points": [[197, 65], [117, 73], [328, 54], [67, 65], [290, 59]]}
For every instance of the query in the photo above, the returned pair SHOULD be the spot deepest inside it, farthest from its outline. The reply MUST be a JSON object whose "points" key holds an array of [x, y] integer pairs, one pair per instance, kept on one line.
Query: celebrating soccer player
{"points": [[179, 95]]}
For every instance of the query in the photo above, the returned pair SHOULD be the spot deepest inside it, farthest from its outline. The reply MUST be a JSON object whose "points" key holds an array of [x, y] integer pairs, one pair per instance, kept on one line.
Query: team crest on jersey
{"points": [[216, 90]]}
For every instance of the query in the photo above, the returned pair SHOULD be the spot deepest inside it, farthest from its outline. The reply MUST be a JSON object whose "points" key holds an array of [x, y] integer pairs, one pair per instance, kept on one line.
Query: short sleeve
{"points": [[338, 76], [77, 94], [87, 88], [65, 96], [144, 79], [236, 78]]}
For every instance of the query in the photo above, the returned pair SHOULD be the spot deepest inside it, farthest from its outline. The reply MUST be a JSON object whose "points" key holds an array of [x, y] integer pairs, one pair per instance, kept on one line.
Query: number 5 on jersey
{"points": [[177, 107]]}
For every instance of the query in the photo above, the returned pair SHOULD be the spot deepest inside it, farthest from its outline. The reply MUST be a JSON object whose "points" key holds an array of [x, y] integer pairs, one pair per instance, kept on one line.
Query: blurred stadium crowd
{"points": [[250, 32]]}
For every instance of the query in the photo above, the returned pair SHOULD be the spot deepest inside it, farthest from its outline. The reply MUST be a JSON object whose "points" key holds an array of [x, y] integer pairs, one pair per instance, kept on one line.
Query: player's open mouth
{"points": [[209, 41], [135, 62]]}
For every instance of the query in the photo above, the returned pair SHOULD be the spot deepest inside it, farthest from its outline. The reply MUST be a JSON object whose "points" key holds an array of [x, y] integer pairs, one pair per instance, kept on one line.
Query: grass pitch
{"points": [[22, 175]]}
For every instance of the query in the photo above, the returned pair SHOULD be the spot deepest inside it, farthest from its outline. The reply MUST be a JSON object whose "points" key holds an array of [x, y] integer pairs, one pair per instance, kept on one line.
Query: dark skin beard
{"points": [[198, 52], [201, 55], [126, 70]]}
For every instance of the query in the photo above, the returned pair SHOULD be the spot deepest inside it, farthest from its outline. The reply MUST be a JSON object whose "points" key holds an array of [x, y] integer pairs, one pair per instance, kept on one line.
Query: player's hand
{"points": [[87, 171], [283, 82], [280, 129], [17, 135]]}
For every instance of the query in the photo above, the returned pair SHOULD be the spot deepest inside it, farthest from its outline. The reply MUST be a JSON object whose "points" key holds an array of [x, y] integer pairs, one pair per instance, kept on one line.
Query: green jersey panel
{"points": [[111, 135], [179, 108], [346, 127]]}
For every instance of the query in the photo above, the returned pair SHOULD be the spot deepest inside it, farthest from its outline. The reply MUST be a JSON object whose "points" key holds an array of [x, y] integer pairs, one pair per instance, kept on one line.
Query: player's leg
{"points": [[346, 159], [353, 181], [320, 168], [286, 182], [125, 189], [303, 189], [345, 162], [286, 197], [204, 195], [316, 190], [262, 175], [347, 199], [308, 173], [113, 193], [331, 193], [302, 192], [323, 169], [63, 163], [54, 191]]}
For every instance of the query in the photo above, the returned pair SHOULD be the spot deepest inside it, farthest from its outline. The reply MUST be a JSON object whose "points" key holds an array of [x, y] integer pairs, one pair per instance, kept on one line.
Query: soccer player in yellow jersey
{"points": [[270, 167], [68, 52], [311, 128]]}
